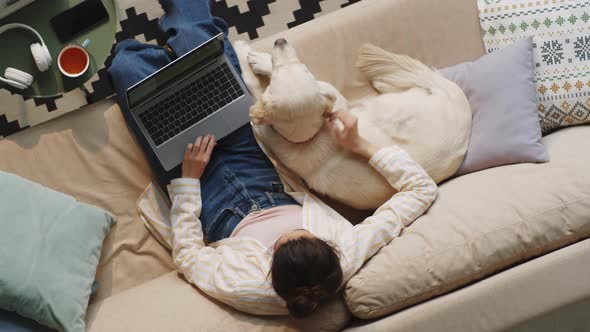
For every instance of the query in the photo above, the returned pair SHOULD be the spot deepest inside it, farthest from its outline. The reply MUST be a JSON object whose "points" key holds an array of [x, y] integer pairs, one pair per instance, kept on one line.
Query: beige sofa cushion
{"points": [[169, 303], [91, 155], [481, 223], [526, 293]]}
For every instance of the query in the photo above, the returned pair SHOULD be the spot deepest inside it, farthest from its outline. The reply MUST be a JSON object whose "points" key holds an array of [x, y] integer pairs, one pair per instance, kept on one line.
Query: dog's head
{"points": [[293, 103]]}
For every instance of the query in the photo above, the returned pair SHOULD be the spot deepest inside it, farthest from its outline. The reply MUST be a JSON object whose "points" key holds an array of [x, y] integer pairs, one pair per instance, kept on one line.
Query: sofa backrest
{"points": [[438, 33]]}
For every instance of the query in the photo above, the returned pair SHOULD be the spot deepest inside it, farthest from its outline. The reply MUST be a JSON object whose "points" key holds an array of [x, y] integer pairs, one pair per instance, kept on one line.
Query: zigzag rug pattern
{"points": [[247, 19]]}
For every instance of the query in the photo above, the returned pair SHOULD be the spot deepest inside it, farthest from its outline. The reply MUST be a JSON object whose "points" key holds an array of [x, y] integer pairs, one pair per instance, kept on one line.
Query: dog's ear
{"points": [[329, 101], [257, 113]]}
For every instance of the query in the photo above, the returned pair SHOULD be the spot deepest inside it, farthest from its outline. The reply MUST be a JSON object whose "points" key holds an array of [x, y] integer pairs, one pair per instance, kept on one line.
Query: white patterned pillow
{"points": [[561, 36]]}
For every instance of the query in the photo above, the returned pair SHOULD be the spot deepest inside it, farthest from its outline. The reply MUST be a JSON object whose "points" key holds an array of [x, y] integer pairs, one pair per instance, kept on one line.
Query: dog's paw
{"points": [[241, 44], [242, 48], [260, 62]]}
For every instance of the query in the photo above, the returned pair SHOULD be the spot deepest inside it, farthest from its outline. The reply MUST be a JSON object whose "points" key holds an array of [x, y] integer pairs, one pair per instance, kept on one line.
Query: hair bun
{"points": [[305, 301]]}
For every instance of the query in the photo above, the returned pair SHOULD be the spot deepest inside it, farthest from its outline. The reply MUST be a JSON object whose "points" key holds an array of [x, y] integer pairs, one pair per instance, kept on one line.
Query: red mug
{"points": [[73, 60]]}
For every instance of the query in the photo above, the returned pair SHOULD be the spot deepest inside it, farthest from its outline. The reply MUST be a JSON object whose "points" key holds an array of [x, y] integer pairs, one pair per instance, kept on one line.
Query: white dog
{"points": [[418, 110]]}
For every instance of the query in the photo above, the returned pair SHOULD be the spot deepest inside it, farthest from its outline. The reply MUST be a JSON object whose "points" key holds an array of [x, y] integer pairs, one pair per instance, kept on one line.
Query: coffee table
{"points": [[15, 46]]}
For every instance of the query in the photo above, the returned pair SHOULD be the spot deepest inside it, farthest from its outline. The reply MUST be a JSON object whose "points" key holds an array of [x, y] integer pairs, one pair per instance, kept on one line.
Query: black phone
{"points": [[79, 18]]}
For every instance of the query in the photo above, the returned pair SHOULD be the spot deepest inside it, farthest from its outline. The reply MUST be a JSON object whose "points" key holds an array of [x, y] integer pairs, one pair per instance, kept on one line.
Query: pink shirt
{"points": [[267, 226]]}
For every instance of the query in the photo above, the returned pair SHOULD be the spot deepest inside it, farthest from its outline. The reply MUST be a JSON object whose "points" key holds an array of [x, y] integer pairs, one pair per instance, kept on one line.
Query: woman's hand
{"points": [[344, 128], [196, 157]]}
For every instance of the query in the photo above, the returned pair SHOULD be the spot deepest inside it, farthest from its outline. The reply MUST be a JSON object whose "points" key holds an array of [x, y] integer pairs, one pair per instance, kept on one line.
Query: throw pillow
{"points": [[561, 31], [500, 88], [12, 322], [49, 250]]}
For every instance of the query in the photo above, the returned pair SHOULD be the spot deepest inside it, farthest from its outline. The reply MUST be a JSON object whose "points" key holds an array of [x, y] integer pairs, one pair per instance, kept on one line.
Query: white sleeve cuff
{"points": [[184, 186]]}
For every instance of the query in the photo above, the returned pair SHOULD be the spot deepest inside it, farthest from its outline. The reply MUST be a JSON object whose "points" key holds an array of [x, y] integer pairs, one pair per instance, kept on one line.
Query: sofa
{"points": [[499, 249]]}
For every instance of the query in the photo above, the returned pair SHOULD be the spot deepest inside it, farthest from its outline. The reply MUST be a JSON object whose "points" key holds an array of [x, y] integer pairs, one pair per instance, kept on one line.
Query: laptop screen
{"points": [[178, 68]]}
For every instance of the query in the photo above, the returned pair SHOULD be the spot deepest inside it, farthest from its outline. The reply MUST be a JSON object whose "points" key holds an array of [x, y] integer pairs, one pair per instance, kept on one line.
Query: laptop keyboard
{"points": [[191, 104]]}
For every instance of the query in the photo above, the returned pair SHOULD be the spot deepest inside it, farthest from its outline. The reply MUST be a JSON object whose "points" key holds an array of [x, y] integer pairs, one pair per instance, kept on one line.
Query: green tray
{"points": [[15, 46]]}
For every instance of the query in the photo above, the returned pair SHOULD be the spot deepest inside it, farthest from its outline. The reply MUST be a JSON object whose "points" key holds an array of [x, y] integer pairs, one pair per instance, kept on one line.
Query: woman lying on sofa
{"points": [[270, 252]]}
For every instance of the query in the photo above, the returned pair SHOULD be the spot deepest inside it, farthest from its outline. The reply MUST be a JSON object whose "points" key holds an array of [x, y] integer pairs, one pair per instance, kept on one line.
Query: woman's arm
{"points": [[221, 272], [188, 245], [185, 194], [416, 192]]}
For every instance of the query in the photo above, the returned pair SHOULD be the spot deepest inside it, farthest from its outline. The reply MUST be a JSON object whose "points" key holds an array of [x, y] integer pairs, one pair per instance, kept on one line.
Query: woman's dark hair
{"points": [[305, 272]]}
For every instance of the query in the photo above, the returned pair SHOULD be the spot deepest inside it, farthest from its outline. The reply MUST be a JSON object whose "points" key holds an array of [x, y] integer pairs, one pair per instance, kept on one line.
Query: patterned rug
{"points": [[561, 30], [248, 20]]}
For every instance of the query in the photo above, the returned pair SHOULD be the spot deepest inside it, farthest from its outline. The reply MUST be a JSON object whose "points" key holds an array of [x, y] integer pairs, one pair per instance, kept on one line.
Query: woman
{"points": [[269, 252]]}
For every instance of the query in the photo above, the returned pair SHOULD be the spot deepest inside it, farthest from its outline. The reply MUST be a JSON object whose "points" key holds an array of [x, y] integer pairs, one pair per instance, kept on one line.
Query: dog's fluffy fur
{"points": [[418, 110]]}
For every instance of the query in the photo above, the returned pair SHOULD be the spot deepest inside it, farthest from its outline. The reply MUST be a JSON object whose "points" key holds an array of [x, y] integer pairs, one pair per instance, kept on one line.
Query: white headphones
{"points": [[18, 78]]}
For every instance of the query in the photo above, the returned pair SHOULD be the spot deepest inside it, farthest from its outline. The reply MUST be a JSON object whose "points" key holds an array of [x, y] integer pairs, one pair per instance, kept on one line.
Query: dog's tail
{"points": [[389, 72]]}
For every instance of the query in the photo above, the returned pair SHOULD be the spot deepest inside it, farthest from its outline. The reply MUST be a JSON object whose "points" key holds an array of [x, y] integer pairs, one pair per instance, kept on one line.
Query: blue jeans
{"points": [[239, 179]]}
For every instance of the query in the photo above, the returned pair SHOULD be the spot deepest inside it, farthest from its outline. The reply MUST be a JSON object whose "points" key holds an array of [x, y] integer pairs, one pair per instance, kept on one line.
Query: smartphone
{"points": [[78, 19]]}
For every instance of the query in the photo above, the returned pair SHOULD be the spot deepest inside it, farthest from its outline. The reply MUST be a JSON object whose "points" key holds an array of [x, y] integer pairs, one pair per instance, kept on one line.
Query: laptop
{"points": [[199, 93]]}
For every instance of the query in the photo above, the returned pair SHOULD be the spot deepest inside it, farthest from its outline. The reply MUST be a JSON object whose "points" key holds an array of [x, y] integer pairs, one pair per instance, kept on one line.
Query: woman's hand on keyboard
{"points": [[196, 157]]}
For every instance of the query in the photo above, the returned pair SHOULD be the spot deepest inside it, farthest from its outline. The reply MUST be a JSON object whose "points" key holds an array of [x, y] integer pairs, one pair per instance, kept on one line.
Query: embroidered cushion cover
{"points": [[561, 42]]}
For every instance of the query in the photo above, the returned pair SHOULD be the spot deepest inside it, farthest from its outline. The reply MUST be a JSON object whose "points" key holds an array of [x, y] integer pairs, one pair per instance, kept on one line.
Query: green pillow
{"points": [[49, 250]]}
